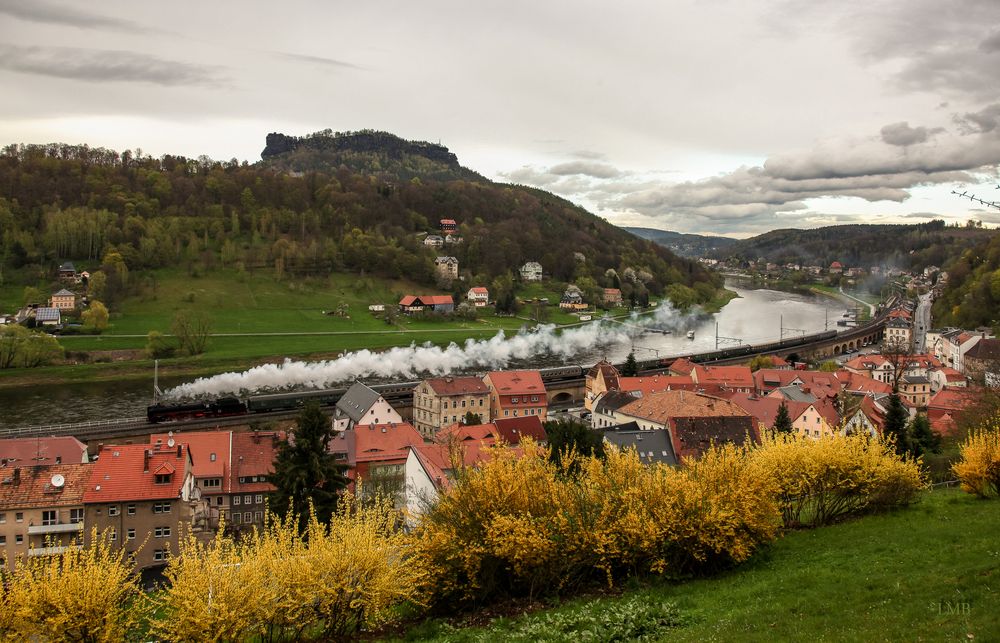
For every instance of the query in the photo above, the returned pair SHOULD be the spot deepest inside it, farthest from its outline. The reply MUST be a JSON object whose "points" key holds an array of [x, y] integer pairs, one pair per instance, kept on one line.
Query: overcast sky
{"points": [[727, 117]]}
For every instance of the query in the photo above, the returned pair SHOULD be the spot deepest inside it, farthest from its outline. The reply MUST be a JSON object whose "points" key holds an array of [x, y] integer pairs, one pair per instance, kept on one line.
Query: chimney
{"points": [[145, 460], [17, 475], [178, 450]]}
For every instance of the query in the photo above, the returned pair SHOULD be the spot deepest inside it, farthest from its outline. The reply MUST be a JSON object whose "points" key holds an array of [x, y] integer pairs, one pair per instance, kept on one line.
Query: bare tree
{"points": [[191, 328]]}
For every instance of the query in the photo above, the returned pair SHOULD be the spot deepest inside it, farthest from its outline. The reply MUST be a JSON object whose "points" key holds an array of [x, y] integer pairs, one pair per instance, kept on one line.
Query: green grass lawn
{"points": [[930, 572]]}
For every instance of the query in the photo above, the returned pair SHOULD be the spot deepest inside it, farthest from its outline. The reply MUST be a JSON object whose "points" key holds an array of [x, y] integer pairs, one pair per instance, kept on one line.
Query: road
{"points": [[921, 323]]}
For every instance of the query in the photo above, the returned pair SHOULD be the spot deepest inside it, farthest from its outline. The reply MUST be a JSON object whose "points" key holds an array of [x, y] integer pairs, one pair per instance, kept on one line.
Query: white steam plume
{"points": [[427, 359]]}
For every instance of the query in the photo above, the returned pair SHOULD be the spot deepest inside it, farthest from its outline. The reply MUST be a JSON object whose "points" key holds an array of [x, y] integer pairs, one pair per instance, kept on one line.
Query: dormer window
{"points": [[162, 478]]}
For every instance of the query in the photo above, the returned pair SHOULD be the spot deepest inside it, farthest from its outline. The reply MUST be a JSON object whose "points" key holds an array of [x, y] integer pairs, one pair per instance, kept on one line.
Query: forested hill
{"points": [[903, 246], [61, 202], [971, 297], [366, 152], [686, 245]]}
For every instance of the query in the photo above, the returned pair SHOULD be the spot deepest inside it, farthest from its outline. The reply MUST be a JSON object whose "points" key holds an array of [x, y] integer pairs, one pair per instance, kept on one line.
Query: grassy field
{"points": [[927, 573]]}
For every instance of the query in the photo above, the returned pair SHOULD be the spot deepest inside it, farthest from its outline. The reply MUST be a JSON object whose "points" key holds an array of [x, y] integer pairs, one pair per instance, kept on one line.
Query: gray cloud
{"points": [[985, 120], [103, 65], [991, 44], [902, 134], [318, 60], [596, 170], [69, 16]]}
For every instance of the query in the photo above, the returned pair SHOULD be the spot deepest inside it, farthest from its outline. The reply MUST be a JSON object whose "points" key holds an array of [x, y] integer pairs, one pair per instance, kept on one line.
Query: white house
{"points": [[361, 405], [434, 240], [478, 296]]}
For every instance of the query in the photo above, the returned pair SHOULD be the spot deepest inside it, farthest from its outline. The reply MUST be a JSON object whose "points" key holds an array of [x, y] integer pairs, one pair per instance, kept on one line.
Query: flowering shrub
{"points": [[821, 481], [979, 468], [336, 580], [79, 595], [525, 525]]}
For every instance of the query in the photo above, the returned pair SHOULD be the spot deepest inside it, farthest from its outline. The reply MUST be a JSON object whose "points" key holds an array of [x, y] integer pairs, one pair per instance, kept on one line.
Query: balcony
{"points": [[51, 551], [61, 528]]}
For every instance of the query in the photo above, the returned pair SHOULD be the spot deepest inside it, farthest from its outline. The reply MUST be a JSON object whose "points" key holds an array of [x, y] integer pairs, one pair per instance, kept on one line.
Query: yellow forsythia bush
{"points": [[79, 595], [523, 525], [821, 481], [979, 468], [333, 582]]}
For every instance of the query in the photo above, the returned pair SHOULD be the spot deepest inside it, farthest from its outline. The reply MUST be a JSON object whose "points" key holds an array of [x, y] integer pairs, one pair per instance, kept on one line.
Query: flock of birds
{"points": [[973, 197]]}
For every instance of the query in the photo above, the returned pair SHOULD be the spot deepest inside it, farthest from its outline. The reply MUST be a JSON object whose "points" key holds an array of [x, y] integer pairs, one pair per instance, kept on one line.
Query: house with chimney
{"points": [[361, 405], [516, 394], [441, 401], [138, 496], [375, 455], [41, 509]]}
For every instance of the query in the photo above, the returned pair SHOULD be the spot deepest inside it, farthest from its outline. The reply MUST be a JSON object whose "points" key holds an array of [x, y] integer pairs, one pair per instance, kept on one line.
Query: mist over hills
{"points": [[684, 244]]}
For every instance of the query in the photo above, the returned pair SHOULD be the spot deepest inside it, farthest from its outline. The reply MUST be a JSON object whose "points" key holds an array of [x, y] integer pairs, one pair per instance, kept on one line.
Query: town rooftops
{"points": [[726, 376], [694, 435], [614, 400], [376, 443], [36, 451], [253, 459], [128, 472], [513, 430], [952, 399], [985, 349], [794, 394], [357, 401], [517, 382], [950, 374], [38, 486], [448, 386]]}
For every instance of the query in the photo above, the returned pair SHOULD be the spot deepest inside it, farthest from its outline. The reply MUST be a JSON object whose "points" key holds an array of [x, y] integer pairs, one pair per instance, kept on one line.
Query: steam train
{"points": [[232, 406]]}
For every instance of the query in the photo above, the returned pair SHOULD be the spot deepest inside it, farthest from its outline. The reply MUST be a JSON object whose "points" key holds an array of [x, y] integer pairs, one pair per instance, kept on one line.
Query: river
{"points": [[756, 316]]}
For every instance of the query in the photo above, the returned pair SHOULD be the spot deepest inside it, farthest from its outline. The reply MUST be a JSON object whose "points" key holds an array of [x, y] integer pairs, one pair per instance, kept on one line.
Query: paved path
{"points": [[871, 308]]}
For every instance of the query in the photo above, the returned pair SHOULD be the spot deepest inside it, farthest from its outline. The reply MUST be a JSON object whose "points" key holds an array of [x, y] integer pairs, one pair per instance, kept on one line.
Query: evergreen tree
{"points": [[922, 438], [631, 368], [305, 470], [895, 424], [472, 418], [782, 422], [572, 435]]}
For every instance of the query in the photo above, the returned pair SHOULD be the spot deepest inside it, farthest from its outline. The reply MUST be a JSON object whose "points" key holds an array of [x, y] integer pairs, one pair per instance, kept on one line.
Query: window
{"points": [[480, 402], [247, 517], [19, 539], [236, 499], [218, 500], [130, 509], [534, 398], [247, 500], [258, 516], [259, 499], [506, 412], [236, 518], [211, 457], [212, 483], [112, 534], [50, 517], [515, 412], [514, 400], [130, 533], [3, 540], [162, 478], [112, 510], [160, 555], [162, 532], [161, 507], [3, 518], [463, 404], [19, 516]]}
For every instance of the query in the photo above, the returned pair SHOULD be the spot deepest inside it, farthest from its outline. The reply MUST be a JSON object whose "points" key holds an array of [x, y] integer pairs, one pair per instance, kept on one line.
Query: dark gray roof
{"points": [[356, 401], [47, 314], [984, 349], [65, 293], [916, 379], [68, 266], [795, 394], [652, 446], [613, 400]]}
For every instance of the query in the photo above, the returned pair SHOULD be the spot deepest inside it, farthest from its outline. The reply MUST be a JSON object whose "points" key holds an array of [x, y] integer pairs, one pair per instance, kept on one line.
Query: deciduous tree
{"points": [[191, 328], [95, 317]]}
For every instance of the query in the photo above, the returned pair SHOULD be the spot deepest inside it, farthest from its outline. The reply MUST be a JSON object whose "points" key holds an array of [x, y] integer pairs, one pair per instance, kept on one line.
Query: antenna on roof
{"points": [[58, 481], [156, 381]]}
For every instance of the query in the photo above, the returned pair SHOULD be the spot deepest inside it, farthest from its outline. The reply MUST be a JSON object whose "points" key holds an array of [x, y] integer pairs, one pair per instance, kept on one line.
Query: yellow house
{"points": [[64, 300]]}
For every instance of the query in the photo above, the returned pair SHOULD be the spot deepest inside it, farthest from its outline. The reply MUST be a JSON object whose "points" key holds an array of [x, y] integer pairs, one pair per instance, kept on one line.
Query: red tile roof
{"points": [[725, 376], [682, 366], [818, 383], [515, 382], [122, 473], [656, 383], [513, 430], [660, 407], [378, 443], [457, 385], [35, 451], [253, 457], [480, 290], [34, 488], [952, 399], [859, 384], [765, 409], [210, 451], [426, 300], [951, 375], [466, 432]]}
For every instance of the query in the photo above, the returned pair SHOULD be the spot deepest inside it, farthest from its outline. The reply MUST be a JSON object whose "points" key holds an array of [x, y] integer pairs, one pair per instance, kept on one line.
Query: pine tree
{"points": [[895, 424], [782, 422], [631, 368], [305, 470], [922, 438]]}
